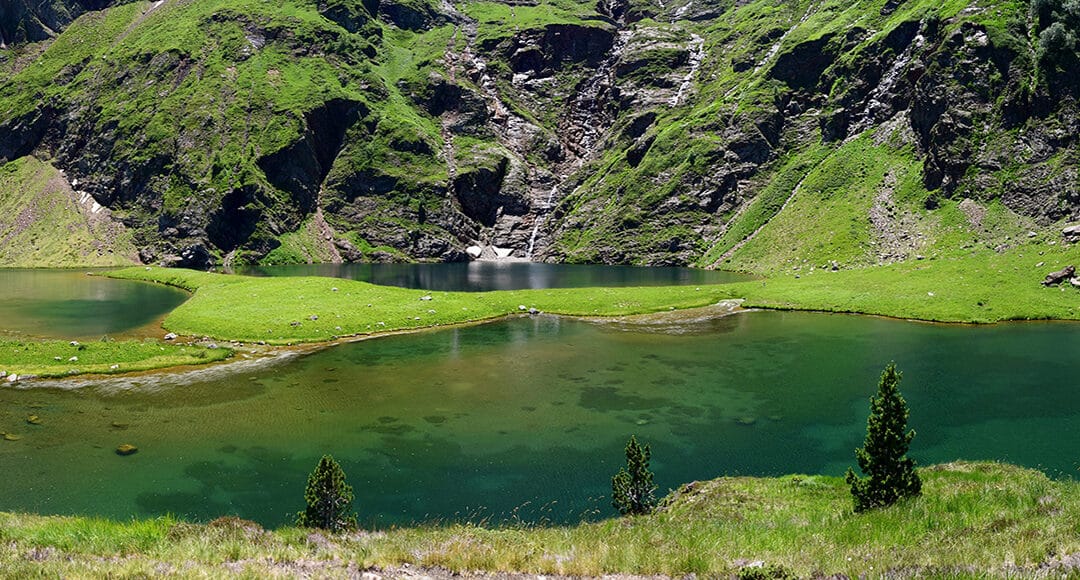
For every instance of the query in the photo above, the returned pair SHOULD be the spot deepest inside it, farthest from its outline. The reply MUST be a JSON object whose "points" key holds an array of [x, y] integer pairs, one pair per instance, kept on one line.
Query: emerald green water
{"points": [[70, 304], [527, 418]]}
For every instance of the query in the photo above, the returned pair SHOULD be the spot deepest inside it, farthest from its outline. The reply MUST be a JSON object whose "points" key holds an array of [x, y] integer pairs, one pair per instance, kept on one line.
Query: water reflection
{"points": [[484, 276], [73, 304]]}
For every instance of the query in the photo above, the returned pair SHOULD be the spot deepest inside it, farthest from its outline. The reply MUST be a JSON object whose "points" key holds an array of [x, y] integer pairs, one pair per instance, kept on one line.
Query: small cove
{"points": [[74, 304], [527, 417]]}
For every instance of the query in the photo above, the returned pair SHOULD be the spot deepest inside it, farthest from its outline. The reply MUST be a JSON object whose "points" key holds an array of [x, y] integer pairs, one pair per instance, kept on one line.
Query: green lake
{"points": [[72, 304], [526, 418]]}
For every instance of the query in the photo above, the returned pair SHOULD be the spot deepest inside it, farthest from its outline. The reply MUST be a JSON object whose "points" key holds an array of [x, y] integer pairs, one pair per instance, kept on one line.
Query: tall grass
{"points": [[974, 519]]}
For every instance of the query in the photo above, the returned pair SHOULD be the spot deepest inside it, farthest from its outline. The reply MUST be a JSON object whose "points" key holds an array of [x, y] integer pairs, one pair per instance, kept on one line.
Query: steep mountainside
{"points": [[760, 134]]}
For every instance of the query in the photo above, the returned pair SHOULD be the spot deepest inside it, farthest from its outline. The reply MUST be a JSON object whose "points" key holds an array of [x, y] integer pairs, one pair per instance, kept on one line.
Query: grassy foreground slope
{"points": [[974, 519]]}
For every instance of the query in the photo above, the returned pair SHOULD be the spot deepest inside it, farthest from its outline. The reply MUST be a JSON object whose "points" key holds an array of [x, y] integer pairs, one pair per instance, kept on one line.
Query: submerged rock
{"points": [[11, 437], [33, 420], [126, 449]]}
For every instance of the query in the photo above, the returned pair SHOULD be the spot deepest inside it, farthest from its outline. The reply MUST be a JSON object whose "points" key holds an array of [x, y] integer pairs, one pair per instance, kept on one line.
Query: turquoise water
{"points": [[526, 418], [484, 276], [71, 304]]}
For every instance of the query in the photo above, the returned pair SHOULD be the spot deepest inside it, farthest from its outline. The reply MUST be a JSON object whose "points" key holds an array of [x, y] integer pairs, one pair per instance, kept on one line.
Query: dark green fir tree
{"points": [[329, 499], [632, 489], [883, 457]]}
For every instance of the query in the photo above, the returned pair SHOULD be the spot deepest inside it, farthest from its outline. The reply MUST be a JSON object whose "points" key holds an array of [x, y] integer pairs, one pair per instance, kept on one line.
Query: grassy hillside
{"points": [[620, 132], [43, 223], [973, 520]]}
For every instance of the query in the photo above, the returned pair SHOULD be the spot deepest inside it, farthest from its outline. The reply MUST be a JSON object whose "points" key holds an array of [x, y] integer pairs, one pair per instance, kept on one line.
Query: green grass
{"points": [[281, 310], [973, 519], [975, 285], [983, 286], [41, 224], [52, 358]]}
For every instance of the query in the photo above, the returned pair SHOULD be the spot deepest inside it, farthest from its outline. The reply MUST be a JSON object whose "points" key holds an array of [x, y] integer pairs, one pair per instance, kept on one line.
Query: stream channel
{"points": [[517, 420]]}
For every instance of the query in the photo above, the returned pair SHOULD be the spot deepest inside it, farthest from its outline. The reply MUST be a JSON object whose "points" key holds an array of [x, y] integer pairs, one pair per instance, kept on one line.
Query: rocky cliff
{"points": [[622, 131]]}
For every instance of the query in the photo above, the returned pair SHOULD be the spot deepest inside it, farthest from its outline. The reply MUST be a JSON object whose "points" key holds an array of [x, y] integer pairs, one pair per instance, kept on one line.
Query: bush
{"points": [[329, 499], [1057, 23], [632, 487], [883, 458]]}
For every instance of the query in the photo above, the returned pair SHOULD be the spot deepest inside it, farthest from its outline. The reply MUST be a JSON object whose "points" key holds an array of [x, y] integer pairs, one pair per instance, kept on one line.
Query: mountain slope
{"points": [[734, 134]]}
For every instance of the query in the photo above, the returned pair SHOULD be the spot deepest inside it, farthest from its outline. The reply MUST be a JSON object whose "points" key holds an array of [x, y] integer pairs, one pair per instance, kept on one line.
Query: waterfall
{"points": [[780, 42], [540, 215], [697, 55]]}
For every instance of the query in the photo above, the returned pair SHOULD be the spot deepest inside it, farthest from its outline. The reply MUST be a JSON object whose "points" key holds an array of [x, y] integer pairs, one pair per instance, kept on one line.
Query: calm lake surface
{"points": [[70, 304], [485, 276], [527, 417]]}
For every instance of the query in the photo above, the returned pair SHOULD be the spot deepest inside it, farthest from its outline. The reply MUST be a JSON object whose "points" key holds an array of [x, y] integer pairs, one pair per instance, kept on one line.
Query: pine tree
{"points": [[891, 475], [329, 499], [632, 487]]}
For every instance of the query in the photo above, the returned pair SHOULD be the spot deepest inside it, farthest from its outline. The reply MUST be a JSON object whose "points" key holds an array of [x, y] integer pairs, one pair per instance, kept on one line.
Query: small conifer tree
{"points": [[890, 474], [329, 499], [632, 487]]}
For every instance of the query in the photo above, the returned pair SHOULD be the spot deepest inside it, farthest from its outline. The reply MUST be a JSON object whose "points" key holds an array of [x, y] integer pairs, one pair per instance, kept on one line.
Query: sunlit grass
{"points": [[311, 309], [972, 519], [59, 358]]}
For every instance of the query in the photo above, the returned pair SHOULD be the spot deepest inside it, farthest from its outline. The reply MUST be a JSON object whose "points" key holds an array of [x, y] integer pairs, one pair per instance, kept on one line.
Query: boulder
{"points": [[1055, 278], [1071, 233], [171, 336], [126, 449]]}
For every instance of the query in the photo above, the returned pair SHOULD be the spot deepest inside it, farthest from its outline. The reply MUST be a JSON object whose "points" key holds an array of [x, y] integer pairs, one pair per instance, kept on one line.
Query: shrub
{"points": [[632, 489], [329, 499], [883, 458]]}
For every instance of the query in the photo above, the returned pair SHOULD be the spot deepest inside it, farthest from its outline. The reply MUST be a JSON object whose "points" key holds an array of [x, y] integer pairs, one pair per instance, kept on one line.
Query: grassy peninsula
{"points": [[313, 309], [973, 520], [59, 358], [981, 287]]}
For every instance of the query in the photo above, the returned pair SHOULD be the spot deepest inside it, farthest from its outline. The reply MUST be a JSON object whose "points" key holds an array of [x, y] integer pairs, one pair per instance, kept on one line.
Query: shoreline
{"points": [[730, 526]]}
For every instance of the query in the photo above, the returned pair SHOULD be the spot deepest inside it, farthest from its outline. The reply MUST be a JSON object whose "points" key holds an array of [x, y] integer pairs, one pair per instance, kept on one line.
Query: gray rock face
{"points": [[31, 21]]}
